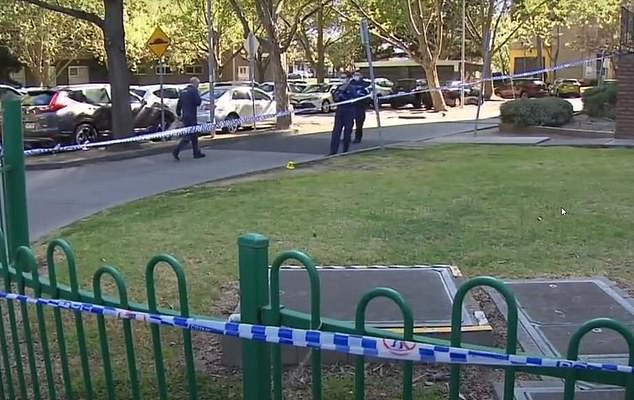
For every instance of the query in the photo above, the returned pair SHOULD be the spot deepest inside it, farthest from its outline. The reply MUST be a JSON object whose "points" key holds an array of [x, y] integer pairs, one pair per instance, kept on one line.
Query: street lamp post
{"points": [[211, 65], [462, 57]]}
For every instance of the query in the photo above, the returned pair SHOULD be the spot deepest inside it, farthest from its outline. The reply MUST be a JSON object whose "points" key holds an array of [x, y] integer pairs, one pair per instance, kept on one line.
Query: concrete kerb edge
{"points": [[152, 151]]}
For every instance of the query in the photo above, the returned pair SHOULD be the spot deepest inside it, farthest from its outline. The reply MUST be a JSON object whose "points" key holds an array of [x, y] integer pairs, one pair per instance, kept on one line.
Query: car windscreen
{"points": [[317, 89], [217, 94], [38, 98]]}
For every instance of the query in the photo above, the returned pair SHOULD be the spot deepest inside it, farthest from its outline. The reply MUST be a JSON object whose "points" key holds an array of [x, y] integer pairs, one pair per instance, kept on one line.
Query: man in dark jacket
{"points": [[344, 117], [360, 106], [188, 102]]}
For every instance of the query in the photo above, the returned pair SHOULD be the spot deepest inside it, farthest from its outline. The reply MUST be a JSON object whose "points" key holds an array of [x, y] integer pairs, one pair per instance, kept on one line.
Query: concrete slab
{"points": [[621, 143], [552, 310], [470, 138], [580, 395], [572, 302], [428, 290], [576, 142]]}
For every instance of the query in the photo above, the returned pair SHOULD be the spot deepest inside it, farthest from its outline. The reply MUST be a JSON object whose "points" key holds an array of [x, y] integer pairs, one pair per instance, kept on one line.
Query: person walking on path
{"points": [[360, 106], [344, 117], [186, 109]]}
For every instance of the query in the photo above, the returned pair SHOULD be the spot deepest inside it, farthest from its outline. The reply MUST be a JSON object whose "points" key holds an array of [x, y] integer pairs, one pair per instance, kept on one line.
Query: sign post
{"points": [[365, 40], [158, 43], [485, 76], [251, 44]]}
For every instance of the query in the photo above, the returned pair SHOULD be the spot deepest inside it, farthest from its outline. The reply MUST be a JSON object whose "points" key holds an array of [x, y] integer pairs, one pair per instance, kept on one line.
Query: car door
{"points": [[170, 97], [99, 98], [241, 102], [263, 103]]}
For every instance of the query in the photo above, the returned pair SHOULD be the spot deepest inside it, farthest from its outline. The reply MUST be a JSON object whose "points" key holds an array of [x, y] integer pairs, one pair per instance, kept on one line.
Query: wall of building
{"points": [[445, 72], [625, 101]]}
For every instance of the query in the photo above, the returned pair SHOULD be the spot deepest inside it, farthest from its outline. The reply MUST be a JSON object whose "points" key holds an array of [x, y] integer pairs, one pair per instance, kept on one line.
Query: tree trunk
{"points": [[118, 73], [320, 72], [281, 94], [540, 56], [431, 73]]}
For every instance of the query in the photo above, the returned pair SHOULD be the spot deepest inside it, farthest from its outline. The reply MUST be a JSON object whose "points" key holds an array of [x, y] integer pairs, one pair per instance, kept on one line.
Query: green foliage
{"points": [[600, 101], [548, 111]]}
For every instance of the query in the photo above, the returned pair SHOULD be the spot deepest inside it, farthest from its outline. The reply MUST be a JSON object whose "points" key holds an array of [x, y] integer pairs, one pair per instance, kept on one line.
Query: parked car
{"points": [[233, 103], [317, 96], [453, 92], [6, 90], [269, 88], [81, 114], [410, 91], [521, 88], [566, 87], [152, 94]]}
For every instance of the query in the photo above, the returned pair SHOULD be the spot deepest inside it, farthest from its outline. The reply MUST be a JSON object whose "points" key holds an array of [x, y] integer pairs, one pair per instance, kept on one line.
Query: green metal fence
{"points": [[54, 355]]}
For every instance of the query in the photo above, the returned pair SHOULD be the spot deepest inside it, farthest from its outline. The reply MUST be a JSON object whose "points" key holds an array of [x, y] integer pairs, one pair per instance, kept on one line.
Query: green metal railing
{"points": [[259, 372], [55, 355]]}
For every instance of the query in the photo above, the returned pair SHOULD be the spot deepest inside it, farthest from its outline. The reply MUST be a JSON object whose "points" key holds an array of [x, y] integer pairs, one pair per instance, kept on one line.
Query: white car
{"points": [[234, 103], [318, 96], [152, 94]]}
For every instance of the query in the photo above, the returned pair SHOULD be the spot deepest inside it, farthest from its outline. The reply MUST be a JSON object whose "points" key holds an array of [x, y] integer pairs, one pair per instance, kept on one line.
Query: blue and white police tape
{"points": [[339, 342], [245, 120], [178, 132]]}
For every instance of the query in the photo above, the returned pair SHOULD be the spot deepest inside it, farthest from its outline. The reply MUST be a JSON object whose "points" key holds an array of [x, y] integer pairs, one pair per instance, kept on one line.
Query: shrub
{"points": [[600, 101], [549, 111]]}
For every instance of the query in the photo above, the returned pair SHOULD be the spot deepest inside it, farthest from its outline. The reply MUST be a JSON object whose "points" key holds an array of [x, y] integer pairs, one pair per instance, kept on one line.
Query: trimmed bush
{"points": [[600, 101], [549, 111]]}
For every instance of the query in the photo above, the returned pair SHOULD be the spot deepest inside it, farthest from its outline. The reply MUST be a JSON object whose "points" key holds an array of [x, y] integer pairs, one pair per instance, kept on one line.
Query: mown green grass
{"points": [[489, 210]]}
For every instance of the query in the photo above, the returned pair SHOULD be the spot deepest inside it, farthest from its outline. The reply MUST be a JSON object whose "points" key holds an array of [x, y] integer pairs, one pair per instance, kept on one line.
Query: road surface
{"points": [[57, 198]]}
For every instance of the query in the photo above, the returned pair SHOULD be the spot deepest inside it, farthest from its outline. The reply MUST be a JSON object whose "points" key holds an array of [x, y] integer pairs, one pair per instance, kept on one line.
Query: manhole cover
{"points": [[429, 293], [567, 302]]}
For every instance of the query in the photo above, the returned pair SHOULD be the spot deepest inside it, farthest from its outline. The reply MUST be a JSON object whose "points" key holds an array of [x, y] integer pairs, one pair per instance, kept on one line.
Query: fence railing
{"points": [[37, 361]]}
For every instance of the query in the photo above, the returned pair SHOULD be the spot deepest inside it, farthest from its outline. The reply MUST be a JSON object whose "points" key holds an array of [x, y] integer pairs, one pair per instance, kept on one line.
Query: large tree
{"points": [[110, 20], [417, 27], [9, 63], [280, 21], [188, 20], [44, 38]]}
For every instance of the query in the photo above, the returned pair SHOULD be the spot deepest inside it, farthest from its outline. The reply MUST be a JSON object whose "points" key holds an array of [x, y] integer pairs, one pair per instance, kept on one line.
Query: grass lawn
{"points": [[489, 210]]}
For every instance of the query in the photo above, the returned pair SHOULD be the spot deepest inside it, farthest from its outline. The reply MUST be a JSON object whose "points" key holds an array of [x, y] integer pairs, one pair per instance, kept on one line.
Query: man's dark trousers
{"points": [[359, 120], [191, 137], [344, 121]]}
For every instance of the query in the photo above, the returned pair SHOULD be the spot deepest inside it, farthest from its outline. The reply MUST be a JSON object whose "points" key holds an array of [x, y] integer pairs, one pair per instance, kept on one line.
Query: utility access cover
{"points": [[429, 292], [551, 311]]}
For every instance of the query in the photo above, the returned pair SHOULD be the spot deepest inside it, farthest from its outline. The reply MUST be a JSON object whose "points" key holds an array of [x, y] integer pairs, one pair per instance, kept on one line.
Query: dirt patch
{"points": [[585, 122], [383, 380]]}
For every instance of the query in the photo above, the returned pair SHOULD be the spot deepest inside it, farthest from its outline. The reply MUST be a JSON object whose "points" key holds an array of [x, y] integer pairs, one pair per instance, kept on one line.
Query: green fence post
{"points": [[14, 177], [253, 260]]}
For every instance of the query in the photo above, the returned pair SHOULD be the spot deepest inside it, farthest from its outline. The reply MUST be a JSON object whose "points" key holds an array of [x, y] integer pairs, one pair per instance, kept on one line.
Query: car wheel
{"points": [[524, 95], [85, 133], [325, 107], [395, 106], [456, 102], [232, 123]]}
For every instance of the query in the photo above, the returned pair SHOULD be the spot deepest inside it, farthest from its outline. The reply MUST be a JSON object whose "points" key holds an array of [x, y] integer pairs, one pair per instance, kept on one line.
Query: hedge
{"points": [[600, 101], [548, 111]]}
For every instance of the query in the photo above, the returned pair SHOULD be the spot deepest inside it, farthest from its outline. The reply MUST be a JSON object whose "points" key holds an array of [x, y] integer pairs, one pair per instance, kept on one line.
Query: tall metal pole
{"points": [[161, 77], [211, 65], [462, 57], [365, 39]]}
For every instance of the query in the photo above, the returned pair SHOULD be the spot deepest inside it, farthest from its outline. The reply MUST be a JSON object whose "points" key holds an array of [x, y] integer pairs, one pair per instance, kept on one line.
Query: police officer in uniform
{"points": [[344, 116], [360, 106]]}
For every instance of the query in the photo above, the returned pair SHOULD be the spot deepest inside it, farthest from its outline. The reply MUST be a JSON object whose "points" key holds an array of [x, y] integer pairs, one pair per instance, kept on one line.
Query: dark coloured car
{"points": [[81, 114], [521, 88], [411, 92]]}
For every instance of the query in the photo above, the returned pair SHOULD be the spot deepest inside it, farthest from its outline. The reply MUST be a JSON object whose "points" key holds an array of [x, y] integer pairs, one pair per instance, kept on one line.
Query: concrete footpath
{"points": [[60, 197]]}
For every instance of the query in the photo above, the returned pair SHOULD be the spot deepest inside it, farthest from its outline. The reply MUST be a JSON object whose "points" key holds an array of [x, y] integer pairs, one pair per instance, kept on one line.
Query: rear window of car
{"points": [[38, 98], [570, 81]]}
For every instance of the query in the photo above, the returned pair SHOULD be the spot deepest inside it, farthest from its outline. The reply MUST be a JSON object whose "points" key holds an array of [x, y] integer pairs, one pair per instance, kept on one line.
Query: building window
{"points": [[73, 71], [194, 70], [166, 68], [140, 70]]}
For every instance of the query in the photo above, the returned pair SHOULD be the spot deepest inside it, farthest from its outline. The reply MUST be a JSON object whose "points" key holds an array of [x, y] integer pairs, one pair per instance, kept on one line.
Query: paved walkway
{"points": [[491, 137], [60, 197]]}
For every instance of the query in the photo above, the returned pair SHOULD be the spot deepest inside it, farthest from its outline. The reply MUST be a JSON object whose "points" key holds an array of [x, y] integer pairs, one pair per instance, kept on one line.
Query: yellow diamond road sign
{"points": [[159, 42]]}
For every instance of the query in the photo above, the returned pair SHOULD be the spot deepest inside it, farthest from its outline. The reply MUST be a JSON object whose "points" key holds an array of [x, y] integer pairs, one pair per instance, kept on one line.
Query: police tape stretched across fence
{"points": [[339, 342], [215, 125]]}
